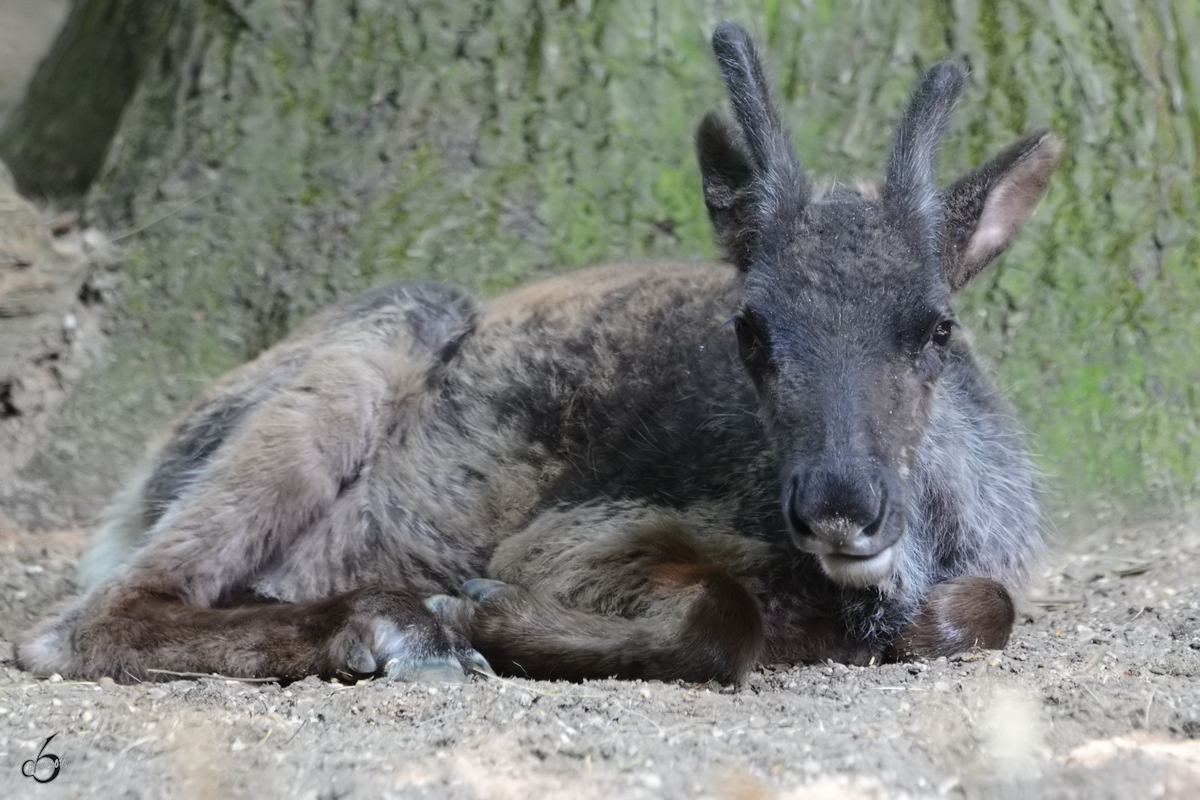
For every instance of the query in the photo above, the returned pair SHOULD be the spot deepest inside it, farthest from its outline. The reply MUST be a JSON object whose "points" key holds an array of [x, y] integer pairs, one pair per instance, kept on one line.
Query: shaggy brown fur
{"points": [[598, 474]]}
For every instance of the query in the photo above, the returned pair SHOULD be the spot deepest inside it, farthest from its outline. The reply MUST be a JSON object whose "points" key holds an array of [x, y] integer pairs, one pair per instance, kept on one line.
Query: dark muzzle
{"points": [[846, 522]]}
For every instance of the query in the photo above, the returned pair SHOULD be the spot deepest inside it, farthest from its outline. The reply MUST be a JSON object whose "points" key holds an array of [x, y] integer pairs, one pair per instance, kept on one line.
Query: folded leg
{"points": [[957, 615], [250, 472], [132, 634], [617, 590]]}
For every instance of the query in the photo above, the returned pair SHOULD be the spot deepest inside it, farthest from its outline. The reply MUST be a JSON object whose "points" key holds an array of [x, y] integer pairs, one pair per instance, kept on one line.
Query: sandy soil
{"points": [[1097, 696]]}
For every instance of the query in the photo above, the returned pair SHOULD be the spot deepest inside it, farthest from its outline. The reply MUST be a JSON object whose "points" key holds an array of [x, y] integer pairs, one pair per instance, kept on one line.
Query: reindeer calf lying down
{"points": [[603, 474]]}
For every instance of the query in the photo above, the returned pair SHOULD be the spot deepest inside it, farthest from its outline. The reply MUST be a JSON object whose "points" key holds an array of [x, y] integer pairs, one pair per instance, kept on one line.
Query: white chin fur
{"points": [[859, 572]]}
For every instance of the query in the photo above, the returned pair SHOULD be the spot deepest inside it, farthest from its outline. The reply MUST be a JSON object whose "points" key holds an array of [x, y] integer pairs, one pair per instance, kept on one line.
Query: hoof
{"points": [[437, 670], [446, 669], [439, 604], [360, 660], [407, 658], [480, 589], [479, 664], [414, 655]]}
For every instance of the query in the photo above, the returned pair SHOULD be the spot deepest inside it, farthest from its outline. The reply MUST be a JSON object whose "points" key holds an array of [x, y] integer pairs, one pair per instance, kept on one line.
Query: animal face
{"points": [[844, 331], [846, 323]]}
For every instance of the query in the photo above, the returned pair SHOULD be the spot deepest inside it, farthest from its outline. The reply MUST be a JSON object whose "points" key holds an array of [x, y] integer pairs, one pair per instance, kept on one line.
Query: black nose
{"points": [[831, 513]]}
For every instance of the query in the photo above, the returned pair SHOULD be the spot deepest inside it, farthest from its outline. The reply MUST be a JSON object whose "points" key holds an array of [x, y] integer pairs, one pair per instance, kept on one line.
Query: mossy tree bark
{"points": [[280, 154], [56, 139]]}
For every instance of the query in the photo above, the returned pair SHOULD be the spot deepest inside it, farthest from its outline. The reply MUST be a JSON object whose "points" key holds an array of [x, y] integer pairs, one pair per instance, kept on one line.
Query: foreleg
{"points": [[956, 616], [617, 591]]}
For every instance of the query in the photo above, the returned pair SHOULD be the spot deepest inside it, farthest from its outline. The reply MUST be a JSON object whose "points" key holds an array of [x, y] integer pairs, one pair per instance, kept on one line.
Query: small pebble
{"points": [[651, 781]]}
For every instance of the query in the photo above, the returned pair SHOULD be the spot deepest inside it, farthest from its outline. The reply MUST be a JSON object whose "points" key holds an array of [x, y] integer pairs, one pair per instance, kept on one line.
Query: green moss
{"points": [[485, 143]]}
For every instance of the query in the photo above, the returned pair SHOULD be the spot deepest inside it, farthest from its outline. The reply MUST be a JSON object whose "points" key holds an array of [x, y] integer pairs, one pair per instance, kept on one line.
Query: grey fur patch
{"points": [[626, 484]]}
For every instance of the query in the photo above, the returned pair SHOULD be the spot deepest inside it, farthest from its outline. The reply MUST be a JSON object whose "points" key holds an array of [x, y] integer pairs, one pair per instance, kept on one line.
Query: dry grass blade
{"points": [[210, 676], [1134, 568]]}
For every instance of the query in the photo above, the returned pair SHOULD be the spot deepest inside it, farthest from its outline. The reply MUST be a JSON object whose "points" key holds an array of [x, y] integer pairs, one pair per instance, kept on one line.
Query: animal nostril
{"points": [[828, 510], [876, 524], [792, 506]]}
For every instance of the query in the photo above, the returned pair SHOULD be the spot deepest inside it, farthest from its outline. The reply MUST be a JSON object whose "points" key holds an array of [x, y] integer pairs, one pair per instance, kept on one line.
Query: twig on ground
{"points": [[438, 718], [297, 733], [211, 676], [1054, 602], [139, 228]]}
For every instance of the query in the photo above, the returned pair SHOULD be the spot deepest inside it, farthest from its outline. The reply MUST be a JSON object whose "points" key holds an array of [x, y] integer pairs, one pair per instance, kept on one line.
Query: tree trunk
{"points": [[279, 154], [57, 137]]}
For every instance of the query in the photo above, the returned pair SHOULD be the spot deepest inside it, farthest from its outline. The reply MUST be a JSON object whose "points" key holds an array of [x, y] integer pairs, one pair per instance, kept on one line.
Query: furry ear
{"points": [[727, 177], [983, 210], [910, 188], [742, 71], [752, 180]]}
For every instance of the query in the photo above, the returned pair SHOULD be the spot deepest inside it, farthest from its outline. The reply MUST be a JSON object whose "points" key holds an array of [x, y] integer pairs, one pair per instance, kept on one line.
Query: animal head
{"points": [[846, 322]]}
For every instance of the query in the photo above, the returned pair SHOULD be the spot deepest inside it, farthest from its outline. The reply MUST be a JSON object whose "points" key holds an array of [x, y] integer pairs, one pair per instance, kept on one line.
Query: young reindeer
{"points": [[595, 475]]}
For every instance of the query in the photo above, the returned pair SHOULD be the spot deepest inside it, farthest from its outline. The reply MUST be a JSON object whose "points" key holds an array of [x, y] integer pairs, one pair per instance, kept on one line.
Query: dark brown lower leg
{"points": [[620, 589], [705, 627], [135, 634], [956, 616]]}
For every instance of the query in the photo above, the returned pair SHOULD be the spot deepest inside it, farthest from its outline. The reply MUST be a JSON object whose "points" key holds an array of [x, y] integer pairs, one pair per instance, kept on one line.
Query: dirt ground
{"points": [[1096, 696]]}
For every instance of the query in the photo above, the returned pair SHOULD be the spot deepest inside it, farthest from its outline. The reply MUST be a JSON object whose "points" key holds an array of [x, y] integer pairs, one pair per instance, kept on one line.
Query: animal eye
{"points": [[750, 340], [941, 333]]}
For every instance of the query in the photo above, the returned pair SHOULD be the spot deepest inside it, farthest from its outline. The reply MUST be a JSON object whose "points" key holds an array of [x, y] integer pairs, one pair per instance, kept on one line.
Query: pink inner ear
{"points": [[998, 223], [1010, 202]]}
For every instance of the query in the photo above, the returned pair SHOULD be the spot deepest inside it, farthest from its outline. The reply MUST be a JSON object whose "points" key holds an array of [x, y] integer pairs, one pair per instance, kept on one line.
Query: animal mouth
{"points": [[859, 571]]}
